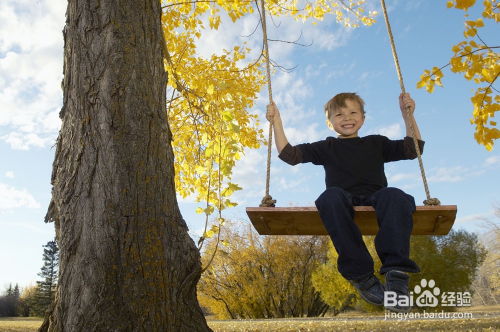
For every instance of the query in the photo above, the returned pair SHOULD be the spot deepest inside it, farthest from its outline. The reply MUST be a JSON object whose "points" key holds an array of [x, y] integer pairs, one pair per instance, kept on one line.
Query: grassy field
{"points": [[321, 325], [483, 319], [20, 324]]}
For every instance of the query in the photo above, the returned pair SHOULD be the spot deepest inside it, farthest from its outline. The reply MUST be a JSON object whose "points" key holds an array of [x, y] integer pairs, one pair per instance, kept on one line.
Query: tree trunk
{"points": [[127, 262]]}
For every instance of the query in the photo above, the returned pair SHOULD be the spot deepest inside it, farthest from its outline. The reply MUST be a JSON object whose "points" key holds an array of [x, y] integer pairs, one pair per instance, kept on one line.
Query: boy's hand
{"points": [[407, 104], [272, 112]]}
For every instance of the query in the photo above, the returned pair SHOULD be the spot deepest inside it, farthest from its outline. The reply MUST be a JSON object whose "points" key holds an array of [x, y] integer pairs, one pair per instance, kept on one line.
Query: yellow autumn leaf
{"points": [[471, 32], [430, 87], [208, 234], [478, 62], [421, 84], [464, 4]]}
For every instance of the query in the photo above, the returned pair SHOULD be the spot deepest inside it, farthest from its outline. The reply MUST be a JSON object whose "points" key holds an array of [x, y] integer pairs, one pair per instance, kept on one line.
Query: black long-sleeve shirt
{"points": [[353, 164]]}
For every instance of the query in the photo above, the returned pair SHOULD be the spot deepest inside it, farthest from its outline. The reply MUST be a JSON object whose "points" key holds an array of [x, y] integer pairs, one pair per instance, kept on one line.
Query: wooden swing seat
{"points": [[427, 220]]}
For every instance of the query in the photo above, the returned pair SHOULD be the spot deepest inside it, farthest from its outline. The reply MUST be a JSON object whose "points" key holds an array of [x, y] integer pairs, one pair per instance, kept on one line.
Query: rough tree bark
{"points": [[127, 262]]}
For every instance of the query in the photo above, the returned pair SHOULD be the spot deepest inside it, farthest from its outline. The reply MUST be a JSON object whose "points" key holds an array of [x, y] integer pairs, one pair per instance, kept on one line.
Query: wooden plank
{"points": [[427, 220]]}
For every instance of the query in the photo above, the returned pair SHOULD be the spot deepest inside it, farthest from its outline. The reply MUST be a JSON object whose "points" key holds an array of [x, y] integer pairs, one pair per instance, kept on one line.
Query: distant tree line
{"points": [[34, 300], [9, 302], [487, 283]]}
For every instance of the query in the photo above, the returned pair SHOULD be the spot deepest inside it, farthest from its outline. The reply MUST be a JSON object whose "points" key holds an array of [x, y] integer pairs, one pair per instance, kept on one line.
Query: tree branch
{"points": [[461, 56]]}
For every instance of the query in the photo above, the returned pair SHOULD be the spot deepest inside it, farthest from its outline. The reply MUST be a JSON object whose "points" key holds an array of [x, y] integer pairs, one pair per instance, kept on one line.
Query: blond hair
{"points": [[338, 102]]}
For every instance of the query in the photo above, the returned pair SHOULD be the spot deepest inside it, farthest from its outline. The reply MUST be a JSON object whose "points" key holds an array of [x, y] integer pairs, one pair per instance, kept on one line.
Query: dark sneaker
{"points": [[397, 282], [370, 289]]}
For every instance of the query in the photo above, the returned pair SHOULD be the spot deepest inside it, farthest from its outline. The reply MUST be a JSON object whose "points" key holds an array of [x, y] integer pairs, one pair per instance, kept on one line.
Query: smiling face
{"points": [[347, 120]]}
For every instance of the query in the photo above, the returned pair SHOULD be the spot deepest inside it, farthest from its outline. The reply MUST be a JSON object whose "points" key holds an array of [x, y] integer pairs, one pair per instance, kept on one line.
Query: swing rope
{"points": [[429, 200], [267, 200]]}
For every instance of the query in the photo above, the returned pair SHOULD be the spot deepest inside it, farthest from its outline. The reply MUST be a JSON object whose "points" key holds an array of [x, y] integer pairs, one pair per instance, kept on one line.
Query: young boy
{"points": [[354, 175]]}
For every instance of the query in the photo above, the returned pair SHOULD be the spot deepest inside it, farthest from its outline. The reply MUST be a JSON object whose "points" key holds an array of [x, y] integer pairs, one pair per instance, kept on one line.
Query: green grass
{"points": [[484, 319], [20, 324]]}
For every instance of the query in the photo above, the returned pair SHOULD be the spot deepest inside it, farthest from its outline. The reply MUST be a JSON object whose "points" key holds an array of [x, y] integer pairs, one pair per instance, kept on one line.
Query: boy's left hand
{"points": [[407, 104]]}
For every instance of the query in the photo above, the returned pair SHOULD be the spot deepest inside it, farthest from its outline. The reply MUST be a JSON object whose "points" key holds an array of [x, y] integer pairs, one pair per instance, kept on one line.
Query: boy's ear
{"points": [[329, 124]]}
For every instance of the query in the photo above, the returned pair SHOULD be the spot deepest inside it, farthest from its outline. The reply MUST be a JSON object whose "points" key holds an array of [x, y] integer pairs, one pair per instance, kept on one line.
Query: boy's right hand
{"points": [[272, 112]]}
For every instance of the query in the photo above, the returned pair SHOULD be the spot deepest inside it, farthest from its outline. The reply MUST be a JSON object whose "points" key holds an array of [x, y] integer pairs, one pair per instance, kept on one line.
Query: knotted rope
{"points": [[429, 200], [267, 200]]}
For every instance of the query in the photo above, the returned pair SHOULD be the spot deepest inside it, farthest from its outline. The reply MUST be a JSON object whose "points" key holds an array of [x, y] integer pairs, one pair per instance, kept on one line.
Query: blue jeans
{"points": [[394, 209]]}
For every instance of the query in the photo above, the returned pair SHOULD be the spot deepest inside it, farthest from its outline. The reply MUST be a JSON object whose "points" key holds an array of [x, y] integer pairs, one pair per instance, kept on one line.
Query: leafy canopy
{"points": [[210, 99], [478, 62]]}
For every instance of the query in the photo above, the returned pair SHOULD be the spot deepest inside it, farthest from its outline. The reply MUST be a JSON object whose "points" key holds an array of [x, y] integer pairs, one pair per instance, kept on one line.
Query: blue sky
{"points": [[459, 170]]}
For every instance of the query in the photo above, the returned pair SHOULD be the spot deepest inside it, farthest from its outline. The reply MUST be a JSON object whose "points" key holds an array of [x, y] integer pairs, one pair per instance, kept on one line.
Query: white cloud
{"points": [[19, 141], [449, 174], [214, 42], [339, 71], [290, 93], [286, 183], [401, 177], [289, 87], [12, 198], [9, 174], [31, 57], [393, 131], [325, 39], [314, 70], [460, 173], [491, 161], [305, 134], [188, 199], [196, 233], [412, 6], [367, 76], [35, 226], [474, 218], [250, 174]]}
